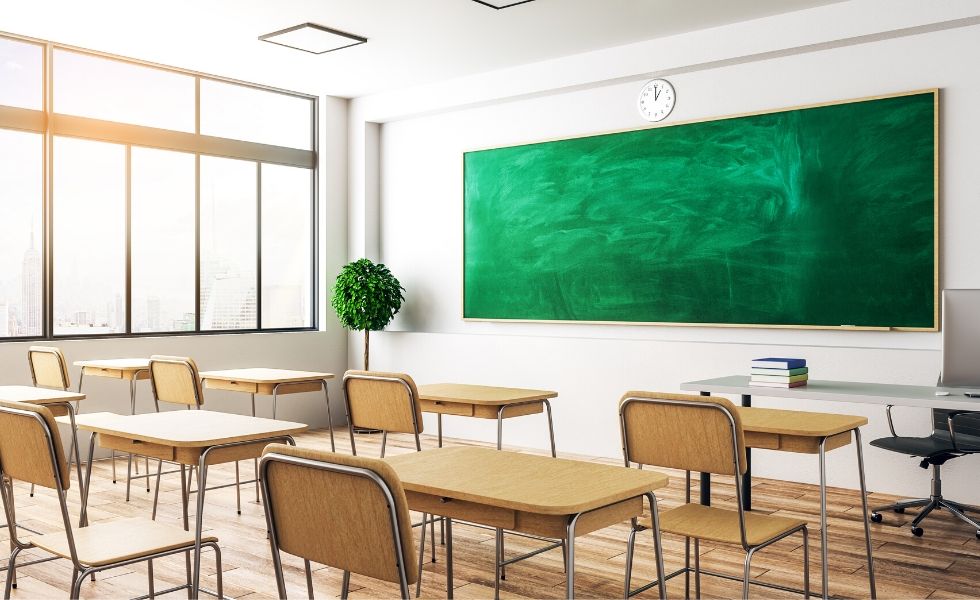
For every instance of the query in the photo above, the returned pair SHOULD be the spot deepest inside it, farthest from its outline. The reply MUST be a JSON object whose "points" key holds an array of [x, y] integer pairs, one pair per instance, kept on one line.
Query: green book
{"points": [[760, 371], [779, 378]]}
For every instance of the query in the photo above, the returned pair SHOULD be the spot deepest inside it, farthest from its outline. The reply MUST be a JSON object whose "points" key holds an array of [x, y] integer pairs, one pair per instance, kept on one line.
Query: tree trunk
{"points": [[367, 347]]}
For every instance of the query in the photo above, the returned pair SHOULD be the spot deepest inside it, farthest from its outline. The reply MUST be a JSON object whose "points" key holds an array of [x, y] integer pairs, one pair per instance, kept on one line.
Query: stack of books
{"points": [[779, 372]]}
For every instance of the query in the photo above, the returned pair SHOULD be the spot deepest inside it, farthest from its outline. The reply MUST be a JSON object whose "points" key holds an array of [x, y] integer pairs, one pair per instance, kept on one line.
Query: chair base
{"points": [[928, 505]]}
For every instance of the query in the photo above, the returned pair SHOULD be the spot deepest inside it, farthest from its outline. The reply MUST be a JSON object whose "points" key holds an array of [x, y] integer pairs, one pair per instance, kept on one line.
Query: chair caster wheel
{"points": [[917, 531], [978, 534], [899, 510], [875, 517]]}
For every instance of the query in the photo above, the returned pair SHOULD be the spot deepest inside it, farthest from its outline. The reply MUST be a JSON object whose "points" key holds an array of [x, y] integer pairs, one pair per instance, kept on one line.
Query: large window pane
{"points": [[286, 246], [89, 237], [112, 90], [253, 115], [20, 74], [228, 243], [20, 233], [162, 268]]}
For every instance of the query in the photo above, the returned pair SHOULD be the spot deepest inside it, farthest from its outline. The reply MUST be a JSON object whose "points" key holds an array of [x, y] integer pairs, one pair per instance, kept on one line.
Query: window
{"points": [[89, 237], [286, 246], [20, 74], [112, 90], [149, 200], [20, 240], [162, 252], [242, 113], [228, 244]]}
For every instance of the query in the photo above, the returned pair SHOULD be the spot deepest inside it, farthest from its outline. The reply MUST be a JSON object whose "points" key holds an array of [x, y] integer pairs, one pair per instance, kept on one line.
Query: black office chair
{"points": [[955, 433]]}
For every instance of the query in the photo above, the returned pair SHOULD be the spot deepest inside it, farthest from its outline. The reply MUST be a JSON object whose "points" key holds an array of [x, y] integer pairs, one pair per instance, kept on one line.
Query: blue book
{"points": [[779, 363]]}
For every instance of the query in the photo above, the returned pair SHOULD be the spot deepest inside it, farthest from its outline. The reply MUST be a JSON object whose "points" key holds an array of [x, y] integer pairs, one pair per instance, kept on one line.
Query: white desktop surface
{"points": [[844, 391]]}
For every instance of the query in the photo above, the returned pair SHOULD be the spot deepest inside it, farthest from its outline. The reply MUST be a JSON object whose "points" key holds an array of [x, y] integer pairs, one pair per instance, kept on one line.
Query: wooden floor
{"points": [[943, 564]]}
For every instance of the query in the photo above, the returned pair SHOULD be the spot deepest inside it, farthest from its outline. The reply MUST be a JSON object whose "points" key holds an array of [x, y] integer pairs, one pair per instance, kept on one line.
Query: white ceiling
{"points": [[410, 42]]}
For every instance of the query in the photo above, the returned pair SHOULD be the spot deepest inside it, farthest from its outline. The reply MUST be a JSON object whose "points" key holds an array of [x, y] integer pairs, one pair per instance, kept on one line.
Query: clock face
{"points": [[657, 99]]}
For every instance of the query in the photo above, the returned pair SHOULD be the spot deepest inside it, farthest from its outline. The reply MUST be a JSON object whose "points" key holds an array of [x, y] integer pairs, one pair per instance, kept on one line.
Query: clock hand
{"points": [[656, 94]]}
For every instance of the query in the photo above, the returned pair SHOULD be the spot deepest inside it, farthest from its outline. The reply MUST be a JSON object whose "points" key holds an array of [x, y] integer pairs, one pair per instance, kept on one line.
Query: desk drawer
{"points": [[482, 514], [289, 388], [490, 412], [112, 442], [553, 526], [446, 408], [102, 372], [232, 386]]}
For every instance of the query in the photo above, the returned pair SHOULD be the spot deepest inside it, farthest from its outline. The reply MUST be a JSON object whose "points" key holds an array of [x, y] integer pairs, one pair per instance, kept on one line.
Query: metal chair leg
{"points": [[309, 578], [806, 564], [746, 578], [345, 586], [149, 578], [418, 584], [156, 494], [630, 543], [449, 557], [238, 489]]}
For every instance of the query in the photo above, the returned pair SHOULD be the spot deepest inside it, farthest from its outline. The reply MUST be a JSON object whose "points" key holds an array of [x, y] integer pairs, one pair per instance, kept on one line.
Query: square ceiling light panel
{"points": [[498, 4], [313, 38]]}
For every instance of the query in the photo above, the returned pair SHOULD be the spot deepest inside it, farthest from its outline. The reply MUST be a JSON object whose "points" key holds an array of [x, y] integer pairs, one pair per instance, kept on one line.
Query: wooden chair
{"points": [[49, 369], [347, 512], [699, 433], [389, 402], [31, 451]]}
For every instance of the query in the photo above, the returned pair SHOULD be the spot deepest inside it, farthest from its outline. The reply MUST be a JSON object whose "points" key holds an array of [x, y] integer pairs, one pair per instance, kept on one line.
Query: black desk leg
{"points": [[705, 486], [747, 478]]}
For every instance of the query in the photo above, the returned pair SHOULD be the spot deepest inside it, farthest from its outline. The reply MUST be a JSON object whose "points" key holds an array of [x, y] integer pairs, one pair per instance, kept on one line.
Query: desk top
{"points": [[524, 482], [264, 375], [37, 395], [186, 428], [797, 422], [843, 391], [463, 393], [121, 364]]}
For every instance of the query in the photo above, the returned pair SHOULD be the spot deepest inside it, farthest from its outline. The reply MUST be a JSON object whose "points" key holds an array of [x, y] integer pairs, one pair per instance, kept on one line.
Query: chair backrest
{"points": [[967, 427], [49, 369], [679, 431], [176, 379], [387, 401], [348, 512], [30, 446]]}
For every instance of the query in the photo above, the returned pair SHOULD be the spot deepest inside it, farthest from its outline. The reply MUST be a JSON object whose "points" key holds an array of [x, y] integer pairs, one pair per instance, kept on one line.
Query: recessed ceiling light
{"points": [[313, 38], [498, 4]]}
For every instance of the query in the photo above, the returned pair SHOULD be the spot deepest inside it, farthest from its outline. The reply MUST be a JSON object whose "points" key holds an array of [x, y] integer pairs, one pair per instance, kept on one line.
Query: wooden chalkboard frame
{"points": [[936, 221]]}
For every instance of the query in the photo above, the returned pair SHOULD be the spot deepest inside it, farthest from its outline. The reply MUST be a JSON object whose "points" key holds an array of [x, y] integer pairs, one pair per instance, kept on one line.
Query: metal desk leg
{"points": [[326, 398], [255, 461], [83, 511], [864, 508], [202, 480], [705, 484], [551, 428], [747, 477], [439, 427], [570, 567], [449, 558], [823, 518]]}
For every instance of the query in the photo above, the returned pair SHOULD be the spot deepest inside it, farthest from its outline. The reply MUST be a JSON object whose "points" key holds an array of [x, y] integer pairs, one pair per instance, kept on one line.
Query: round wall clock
{"points": [[656, 100]]}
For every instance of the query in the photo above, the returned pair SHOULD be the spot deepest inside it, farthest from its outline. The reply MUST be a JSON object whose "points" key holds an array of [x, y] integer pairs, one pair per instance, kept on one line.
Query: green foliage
{"points": [[366, 296]]}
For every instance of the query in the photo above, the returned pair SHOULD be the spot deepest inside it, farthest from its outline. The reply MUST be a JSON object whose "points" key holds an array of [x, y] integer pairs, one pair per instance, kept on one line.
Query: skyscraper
{"points": [[30, 278]]}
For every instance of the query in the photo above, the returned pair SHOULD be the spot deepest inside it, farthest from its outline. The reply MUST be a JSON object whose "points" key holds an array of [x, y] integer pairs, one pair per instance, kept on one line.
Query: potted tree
{"points": [[366, 297]]}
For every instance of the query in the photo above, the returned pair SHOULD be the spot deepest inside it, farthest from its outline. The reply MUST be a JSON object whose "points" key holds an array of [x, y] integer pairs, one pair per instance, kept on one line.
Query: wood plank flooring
{"points": [[943, 564]]}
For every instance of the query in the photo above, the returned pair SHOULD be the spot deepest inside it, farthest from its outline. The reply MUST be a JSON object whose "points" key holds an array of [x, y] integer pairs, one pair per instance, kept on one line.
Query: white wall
{"points": [[832, 53]]}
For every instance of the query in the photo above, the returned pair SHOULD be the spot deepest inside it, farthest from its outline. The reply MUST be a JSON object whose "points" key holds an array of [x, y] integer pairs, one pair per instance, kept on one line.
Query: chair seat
{"points": [[116, 541], [721, 525], [933, 445]]}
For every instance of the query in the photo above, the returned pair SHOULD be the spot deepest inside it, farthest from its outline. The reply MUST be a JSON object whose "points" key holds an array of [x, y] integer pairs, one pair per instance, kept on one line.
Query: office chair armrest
{"points": [[950, 422], [891, 425]]}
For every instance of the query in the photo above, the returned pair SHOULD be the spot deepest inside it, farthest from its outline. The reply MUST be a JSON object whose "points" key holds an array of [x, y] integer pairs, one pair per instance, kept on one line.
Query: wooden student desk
{"points": [[486, 402], [190, 438], [123, 369], [526, 493], [795, 431], [271, 382]]}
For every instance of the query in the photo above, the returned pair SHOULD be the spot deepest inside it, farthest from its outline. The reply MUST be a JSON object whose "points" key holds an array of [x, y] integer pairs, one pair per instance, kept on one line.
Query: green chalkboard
{"points": [[822, 216]]}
